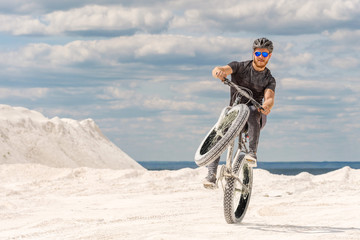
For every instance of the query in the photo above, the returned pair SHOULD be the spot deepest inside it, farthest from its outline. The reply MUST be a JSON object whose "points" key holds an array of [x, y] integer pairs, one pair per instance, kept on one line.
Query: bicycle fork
{"points": [[226, 170]]}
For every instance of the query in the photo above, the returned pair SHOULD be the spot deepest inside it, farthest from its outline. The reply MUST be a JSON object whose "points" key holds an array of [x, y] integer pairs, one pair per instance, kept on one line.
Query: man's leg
{"points": [[210, 180], [254, 133]]}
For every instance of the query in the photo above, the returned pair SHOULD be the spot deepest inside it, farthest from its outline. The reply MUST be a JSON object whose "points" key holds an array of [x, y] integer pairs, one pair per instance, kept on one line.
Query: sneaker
{"points": [[251, 159], [210, 181]]}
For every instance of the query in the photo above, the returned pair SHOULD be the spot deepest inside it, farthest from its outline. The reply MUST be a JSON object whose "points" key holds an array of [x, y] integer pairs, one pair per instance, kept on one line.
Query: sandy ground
{"points": [[39, 202]]}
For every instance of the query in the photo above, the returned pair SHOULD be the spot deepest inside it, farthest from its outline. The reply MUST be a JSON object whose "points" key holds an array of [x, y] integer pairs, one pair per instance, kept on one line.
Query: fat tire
{"points": [[235, 208], [207, 156]]}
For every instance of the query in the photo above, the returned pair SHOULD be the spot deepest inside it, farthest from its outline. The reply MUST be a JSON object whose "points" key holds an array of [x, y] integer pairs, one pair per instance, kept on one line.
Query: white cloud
{"points": [[312, 98], [200, 86], [166, 104], [88, 18], [345, 63], [113, 92], [343, 40], [351, 99], [179, 45], [265, 16], [108, 18], [341, 35], [21, 25], [297, 84], [24, 93], [332, 85], [342, 10], [122, 98], [274, 16], [289, 59], [142, 47]]}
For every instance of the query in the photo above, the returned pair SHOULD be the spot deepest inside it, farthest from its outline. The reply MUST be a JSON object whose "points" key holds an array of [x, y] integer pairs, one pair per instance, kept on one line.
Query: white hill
{"points": [[27, 136]]}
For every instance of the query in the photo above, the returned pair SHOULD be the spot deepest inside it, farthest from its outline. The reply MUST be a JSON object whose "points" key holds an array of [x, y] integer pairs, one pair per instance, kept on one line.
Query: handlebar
{"points": [[243, 93]]}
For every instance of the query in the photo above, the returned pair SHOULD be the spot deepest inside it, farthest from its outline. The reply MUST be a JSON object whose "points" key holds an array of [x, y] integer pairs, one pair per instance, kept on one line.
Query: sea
{"points": [[284, 168]]}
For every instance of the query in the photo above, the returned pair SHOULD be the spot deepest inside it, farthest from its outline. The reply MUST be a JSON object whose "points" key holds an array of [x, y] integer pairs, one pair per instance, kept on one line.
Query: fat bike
{"points": [[236, 176]]}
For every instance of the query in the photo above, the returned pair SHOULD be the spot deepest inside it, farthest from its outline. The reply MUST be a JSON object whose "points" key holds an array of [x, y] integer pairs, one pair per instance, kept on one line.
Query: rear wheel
{"points": [[237, 194], [231, 121]]}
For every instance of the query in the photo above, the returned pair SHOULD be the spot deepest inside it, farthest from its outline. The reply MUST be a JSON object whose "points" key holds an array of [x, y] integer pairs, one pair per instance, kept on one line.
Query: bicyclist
{"points": [[255, 76]]}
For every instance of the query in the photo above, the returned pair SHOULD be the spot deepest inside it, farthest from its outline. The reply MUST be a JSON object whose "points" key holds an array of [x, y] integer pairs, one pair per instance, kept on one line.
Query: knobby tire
{"points": [[213, 144], [236, 201]]}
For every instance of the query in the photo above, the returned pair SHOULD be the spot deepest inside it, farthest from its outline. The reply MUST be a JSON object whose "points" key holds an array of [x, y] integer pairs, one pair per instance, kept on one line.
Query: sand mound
{"points": [[27, 136]]}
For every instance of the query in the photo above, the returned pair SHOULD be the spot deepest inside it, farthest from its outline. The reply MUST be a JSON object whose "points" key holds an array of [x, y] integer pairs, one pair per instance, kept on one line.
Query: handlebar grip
{"points": [[226, 81]]}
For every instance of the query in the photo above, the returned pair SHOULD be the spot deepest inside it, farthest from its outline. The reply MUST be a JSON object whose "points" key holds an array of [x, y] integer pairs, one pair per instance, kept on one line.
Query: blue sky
{"points": [[142, 70]]}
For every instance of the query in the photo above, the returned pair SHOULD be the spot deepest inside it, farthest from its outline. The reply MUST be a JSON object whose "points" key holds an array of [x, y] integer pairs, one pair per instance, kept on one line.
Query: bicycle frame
{"points": [[226, 170], [236, 176]]}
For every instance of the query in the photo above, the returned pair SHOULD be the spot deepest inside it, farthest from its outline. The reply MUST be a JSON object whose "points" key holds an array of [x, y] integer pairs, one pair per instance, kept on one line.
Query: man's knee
{"points": [[255, 115]]}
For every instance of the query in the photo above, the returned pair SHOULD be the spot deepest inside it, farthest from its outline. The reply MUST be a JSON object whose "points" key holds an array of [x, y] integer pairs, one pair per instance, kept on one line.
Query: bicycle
{"points": [[237, 173]]}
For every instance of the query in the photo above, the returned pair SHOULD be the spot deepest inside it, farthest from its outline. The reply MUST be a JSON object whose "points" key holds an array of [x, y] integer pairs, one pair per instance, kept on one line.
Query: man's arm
{"points": [[269, 100], [222, 72]]}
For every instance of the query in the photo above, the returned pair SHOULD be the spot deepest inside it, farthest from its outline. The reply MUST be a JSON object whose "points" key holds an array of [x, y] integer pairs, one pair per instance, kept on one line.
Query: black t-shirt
{"points": [[246, 76]]}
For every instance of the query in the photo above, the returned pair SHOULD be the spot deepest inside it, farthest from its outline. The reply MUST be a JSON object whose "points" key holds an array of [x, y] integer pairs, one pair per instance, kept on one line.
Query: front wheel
{"points": [[231, 121], [238, 191]]}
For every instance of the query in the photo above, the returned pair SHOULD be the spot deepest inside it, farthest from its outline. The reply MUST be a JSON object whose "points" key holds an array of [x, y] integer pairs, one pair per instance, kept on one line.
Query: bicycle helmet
{"points": [[263, 43]]}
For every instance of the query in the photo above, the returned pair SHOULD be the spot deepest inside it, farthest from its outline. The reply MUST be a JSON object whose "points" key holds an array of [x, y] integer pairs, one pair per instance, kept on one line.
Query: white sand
{"points": [[44, 201], [39, 202]]}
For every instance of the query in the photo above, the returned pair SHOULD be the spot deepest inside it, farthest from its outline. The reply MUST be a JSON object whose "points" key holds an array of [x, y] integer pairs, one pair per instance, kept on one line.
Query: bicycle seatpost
{"points": [[243, 93]]}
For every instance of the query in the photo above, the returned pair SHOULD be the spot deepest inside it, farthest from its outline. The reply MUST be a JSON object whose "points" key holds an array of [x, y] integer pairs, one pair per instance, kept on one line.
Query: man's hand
{"points": [[266, 110], [221, 75], [221, 72]]}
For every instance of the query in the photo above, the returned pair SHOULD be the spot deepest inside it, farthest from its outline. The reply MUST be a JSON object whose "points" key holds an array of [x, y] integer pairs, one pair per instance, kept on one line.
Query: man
{"points": [[255, 76]]}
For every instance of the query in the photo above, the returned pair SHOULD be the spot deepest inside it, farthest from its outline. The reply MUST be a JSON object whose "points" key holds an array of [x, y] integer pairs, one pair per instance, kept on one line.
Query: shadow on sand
{"points": [[299, 229]]}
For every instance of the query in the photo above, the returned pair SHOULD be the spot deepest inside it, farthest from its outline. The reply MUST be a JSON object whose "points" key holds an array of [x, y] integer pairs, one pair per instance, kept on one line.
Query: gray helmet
{"points": [[263, 43]]}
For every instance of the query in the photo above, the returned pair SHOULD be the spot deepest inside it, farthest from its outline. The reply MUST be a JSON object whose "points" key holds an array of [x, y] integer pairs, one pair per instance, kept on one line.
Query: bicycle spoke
{"points": [[225, 123], [220, 131]]}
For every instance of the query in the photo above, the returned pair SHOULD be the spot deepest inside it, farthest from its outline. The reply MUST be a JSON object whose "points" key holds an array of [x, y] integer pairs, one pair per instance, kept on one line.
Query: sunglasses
{"points": [[265, 54]]}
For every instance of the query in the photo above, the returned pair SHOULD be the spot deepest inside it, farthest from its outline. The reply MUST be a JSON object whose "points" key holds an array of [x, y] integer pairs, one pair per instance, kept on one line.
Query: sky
{"points": [[142, 70]]}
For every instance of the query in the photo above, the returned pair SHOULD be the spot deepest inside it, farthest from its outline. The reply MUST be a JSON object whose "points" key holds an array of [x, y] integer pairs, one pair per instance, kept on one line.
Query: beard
{"points": [[260, 63]]}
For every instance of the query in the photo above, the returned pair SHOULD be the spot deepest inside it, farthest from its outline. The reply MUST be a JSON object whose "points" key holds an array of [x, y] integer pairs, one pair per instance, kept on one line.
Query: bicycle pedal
{"points": [[251, 160], [251, 163]]}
